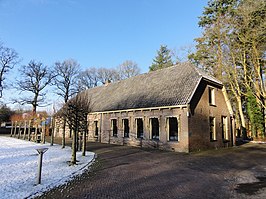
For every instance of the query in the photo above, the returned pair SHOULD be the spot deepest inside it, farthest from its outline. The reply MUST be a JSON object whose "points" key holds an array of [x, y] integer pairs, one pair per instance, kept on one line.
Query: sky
{"points": [[99, 33]]}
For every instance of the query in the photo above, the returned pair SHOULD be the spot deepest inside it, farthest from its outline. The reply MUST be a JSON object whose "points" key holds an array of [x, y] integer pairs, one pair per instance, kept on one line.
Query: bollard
{"points": [[41, 151]]}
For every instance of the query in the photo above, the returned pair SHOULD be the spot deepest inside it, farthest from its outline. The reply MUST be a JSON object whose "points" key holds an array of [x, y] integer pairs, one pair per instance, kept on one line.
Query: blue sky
{"points": [[100, 33]]}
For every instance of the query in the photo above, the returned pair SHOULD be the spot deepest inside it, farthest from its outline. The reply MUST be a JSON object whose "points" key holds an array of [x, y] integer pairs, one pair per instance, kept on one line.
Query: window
{"points": [[211, 96], [212, 129], [139, 124], [126, 127], [114, 127], [173, 128], [154, 128], [96, 129], [224, 128]]}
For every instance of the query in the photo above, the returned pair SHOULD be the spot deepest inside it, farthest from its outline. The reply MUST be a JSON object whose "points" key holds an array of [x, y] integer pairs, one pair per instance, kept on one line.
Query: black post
{"points": [[39, 171]]}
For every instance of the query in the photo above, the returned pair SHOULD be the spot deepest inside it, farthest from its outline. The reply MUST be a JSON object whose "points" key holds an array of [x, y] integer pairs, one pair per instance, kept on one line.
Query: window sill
{"points": [[176, 141], [213, 140], [214, 105], [226, 141]]}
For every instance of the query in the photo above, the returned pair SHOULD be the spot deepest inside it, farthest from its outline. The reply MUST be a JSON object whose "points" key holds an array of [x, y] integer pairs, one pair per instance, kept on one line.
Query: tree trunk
{"points": [[19, 130], [74, 157], [29, 131], [80, 141], [15, 131], [77, 141], [25, 129], [219, 70], [70, 133], [12, 127], [84, 144], [43, 133], [52, 133], [34, 104], [242, 117], [64, 133], [36, 132]]}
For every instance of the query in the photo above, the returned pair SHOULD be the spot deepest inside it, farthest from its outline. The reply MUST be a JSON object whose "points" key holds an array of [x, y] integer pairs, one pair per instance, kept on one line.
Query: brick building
{"points": [[179, 108]]}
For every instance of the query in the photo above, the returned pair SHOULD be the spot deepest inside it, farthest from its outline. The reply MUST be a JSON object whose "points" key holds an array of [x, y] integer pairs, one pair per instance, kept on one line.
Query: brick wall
{"points": [[199, 124], [105, 131]]}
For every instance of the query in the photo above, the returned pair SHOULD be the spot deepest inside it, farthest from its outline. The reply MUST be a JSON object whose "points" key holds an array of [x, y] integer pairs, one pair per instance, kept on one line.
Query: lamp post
{"points": [[41, 151]]}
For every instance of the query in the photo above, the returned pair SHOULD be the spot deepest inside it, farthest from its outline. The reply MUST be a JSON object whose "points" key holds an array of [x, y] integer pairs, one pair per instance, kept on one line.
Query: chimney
{"points": [[107, 82]]}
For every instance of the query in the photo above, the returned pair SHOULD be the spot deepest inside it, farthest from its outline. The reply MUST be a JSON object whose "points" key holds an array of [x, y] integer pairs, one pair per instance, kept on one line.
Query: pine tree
{"points": [[163, 59], [209, 54]]}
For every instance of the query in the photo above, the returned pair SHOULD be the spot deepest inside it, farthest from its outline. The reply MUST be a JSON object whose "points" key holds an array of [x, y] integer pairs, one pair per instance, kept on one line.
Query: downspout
{"points": [[188, 127], [100, 132]]}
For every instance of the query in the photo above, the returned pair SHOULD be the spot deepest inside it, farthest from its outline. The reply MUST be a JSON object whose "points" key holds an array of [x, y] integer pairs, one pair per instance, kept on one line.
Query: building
{"points": [[179, 108]]}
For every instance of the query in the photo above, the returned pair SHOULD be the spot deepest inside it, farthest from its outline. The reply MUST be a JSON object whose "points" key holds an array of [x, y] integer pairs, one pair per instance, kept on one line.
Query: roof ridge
{"points": [[142, 74]]}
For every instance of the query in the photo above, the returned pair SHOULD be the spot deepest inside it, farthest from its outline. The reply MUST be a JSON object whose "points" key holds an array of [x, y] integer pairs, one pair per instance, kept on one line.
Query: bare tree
{"points": [[35, 77], [106, 75], [76, 111], [128, 69], [93, 77], [8, 59], [88, 78], [66, 72]]}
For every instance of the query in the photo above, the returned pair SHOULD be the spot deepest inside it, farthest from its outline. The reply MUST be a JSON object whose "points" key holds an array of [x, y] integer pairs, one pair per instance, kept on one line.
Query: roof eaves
{"points": [[140, 109], [217, 82]]}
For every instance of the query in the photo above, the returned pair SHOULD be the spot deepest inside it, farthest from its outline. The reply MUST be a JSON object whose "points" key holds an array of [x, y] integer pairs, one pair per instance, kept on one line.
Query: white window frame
{"points": [[136, 126], [112, 127], [95, 128], [225, 123], [124, 127], [211, 93], [168, 128], [214, 128], [150, 127]]}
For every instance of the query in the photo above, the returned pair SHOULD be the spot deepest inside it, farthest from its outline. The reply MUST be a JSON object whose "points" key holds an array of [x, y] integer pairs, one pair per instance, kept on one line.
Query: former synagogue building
{"points": [[179, 108]]}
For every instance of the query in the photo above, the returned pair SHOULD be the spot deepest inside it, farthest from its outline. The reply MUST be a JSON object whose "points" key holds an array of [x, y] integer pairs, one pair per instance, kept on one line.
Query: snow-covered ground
{"points": [[18, 167]]}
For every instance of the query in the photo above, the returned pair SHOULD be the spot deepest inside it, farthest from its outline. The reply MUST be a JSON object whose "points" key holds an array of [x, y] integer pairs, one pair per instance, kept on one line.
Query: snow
{"points": [[19, 162]]}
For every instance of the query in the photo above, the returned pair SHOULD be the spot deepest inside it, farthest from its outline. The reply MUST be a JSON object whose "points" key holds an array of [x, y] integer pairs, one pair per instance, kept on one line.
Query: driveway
{"points": [[127, 172]]}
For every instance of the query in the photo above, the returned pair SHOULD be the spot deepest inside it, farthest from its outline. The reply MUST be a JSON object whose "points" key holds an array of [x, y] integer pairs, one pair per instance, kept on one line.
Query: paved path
{"points": [[126, 172]]}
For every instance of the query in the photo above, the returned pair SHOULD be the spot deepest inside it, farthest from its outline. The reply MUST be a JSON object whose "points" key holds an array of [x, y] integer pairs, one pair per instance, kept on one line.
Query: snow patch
{"points": [[18, 167]]}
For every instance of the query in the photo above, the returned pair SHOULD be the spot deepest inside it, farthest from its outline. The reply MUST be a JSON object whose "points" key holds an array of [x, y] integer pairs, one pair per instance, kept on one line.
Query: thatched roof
{"points": [[166, 87]]}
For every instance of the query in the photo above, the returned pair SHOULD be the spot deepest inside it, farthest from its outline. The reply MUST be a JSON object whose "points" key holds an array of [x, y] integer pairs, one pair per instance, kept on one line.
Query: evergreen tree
{"points": [[163, 59], [215, 21], [255, 115], [5, 113]]}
